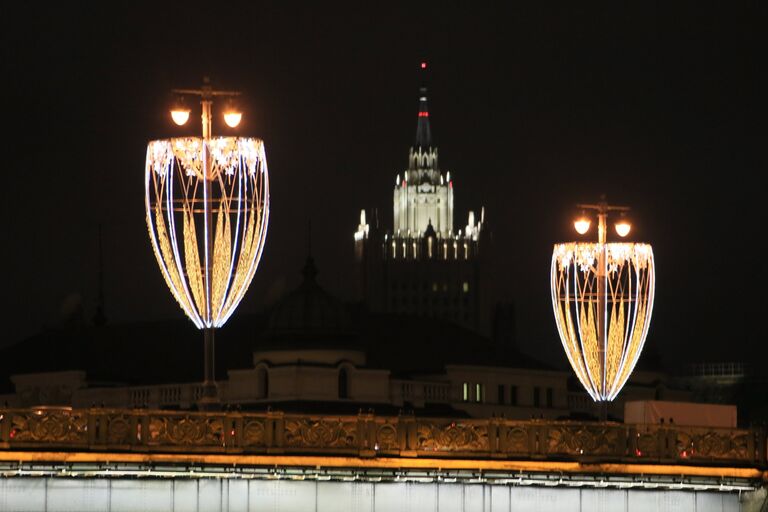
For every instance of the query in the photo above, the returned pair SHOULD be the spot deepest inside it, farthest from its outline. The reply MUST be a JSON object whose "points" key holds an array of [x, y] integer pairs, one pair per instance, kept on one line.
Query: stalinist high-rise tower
{"points": [[424, 266]]}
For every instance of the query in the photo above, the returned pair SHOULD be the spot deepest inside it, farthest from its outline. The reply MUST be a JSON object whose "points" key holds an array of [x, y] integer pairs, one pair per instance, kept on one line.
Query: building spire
{"points": [[423, 131]]}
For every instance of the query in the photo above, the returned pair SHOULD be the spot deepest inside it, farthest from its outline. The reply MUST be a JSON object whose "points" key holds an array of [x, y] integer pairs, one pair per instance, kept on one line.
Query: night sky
{"points": [[533, 110]]}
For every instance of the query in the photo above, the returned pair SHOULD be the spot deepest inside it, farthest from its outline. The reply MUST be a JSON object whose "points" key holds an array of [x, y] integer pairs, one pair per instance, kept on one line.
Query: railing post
{"points": [[135, 429], [402, 434], [93, 427], [502, 432], [406, 429], [145, 428], [237, 426], [5, 427], [103, 427], [228, 423], [535, 436], [275, 430], [661, 441], [493, 437], [623, 447], [762, 449], [365, 441], [632, 442]]}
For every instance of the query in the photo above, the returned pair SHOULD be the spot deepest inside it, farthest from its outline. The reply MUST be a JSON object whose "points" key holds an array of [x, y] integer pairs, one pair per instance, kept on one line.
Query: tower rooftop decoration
{"points": [[207, 210], [602, 295]]}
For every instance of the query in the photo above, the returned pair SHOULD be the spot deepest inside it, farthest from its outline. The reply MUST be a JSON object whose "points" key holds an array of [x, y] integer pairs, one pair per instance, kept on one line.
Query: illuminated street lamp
{"points": [[207, 207], [602, 295]]}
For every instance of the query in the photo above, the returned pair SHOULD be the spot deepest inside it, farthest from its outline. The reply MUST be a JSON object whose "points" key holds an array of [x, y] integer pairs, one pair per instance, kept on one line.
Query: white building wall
{"points": [[47, 494]]}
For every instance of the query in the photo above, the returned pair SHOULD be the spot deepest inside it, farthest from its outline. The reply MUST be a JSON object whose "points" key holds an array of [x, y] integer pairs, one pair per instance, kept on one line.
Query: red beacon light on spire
{"points": [[423, 65]]}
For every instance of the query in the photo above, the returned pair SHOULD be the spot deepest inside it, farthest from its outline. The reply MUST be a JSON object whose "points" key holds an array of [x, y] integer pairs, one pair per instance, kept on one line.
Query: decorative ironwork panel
{"points": [[517, 439], [119, 430], [185, 430], [714, 445], [452, 437], [648, 444], [254, 432], [581, 439], [321, 433], [387, 437], [49, 426]]}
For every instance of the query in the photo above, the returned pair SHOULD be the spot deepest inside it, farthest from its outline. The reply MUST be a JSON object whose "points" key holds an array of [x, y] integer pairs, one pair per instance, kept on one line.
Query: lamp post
{"points": [[602, 295], [217, 187]]}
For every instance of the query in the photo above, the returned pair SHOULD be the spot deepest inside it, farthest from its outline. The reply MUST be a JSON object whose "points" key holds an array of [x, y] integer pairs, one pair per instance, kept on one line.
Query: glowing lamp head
{"points": [[623, 227], [581, 225], [233, 118], [180, 116]]}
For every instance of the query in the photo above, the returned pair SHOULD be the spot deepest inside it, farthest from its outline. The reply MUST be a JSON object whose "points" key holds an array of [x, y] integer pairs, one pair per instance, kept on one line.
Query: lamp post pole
{"points": [[602, 209], [210, 396]]}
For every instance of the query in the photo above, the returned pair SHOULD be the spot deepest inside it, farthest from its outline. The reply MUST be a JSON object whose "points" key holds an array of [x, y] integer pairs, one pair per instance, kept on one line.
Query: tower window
{"points": [[536, 397], [501, 394], [465, 287], [512, 395], [343, 383], [262, 383], [550, 399], [465, 392]]}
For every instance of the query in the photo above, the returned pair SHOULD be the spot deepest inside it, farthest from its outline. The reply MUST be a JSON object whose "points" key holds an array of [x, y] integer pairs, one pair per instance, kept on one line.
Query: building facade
{"points": [[423, 265]]}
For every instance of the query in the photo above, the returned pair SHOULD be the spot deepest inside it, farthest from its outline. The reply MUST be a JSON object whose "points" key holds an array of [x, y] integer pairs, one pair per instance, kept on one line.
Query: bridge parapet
{"points": [[368, 435]]}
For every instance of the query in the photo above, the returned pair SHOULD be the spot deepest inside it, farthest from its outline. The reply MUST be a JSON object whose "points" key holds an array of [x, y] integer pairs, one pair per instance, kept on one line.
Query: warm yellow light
{"points": [[232, 118], [180, 116], [581, 225], [218, 264], [602, 295], [622, 228]]}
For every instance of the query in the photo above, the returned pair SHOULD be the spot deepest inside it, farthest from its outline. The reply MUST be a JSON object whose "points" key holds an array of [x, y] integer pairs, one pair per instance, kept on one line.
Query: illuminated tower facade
{"points": [[424, 195], [423, 266]]}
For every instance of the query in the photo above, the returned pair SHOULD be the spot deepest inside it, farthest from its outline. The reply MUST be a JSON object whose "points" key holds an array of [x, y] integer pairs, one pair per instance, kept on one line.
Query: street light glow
{"points": [[622, 228], [581, 225], [180, 117], [232, 118]]}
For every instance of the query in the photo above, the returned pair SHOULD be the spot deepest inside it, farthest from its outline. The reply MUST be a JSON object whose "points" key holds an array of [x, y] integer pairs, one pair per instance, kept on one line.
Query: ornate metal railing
{"points": [[367, 435]]}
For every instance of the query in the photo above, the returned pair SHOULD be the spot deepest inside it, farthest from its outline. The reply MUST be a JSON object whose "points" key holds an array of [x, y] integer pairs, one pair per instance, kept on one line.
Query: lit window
{"points": [[466, 392], [478, 392], [465, 287]]}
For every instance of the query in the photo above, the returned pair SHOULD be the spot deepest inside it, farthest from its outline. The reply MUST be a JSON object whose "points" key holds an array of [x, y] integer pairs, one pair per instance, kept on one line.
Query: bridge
{"points": [[61, 459]]}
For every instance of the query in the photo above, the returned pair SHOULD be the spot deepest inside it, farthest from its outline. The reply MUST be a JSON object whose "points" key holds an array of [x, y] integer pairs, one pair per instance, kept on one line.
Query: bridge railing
{"points": [[368, 435]]}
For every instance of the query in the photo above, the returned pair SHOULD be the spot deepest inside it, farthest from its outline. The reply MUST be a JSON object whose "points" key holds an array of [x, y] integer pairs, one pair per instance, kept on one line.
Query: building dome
{"points": [[309, 315]]}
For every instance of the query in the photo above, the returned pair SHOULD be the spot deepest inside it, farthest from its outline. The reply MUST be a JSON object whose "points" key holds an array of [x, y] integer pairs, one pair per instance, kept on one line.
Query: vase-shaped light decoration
{"points": [[207, 206], [602, 294]]}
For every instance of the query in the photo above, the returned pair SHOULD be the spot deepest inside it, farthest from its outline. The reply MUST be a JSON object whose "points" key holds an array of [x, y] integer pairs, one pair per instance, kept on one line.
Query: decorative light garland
{"points": [[628, 275], [177, 205]]}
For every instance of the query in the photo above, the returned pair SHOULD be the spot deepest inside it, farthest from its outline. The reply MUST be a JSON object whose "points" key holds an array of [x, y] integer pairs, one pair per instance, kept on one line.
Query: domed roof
{"points": [[309, 315]]}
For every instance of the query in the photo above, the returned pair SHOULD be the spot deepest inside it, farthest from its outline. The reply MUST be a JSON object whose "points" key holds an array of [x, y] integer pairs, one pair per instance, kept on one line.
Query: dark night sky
{"points": [[533, 110]]}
